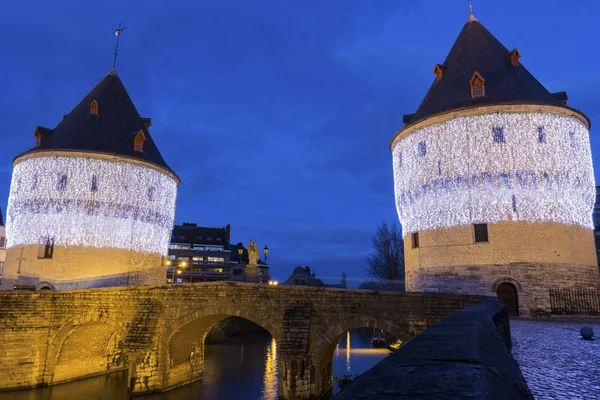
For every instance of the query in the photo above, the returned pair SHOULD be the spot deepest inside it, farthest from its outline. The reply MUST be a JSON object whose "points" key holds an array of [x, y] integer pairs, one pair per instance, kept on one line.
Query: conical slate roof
{"points": [[476, 49], [111, 131]]}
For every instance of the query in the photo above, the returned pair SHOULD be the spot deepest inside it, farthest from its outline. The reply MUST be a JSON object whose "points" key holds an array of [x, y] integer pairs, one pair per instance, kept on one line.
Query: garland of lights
{"points": [[90, 202], [532, 167]]}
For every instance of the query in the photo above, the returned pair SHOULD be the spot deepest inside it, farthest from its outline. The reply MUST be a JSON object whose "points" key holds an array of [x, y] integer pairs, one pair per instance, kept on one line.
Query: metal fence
{"points": [[575, 301]]}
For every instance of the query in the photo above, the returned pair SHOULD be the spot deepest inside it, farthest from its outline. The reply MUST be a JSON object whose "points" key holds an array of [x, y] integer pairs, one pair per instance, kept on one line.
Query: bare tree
{"points": [[386, 263]]}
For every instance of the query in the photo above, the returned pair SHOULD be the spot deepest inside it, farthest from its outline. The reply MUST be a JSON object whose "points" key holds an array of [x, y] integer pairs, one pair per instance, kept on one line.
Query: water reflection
{"points": [[356, 355], [245, 369], [270, 380]]}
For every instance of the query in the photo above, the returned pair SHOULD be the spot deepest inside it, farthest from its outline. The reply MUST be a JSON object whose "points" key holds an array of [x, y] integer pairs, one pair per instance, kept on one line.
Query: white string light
{"points": [[530, 167], [90, 202]]}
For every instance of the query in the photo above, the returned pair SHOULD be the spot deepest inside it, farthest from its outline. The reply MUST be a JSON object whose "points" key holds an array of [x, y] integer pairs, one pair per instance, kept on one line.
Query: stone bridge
{"points": [[157, 333]]}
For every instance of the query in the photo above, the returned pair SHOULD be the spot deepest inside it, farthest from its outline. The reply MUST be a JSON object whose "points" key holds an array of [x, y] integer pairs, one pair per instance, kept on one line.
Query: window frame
{"points": [[479, 235]]}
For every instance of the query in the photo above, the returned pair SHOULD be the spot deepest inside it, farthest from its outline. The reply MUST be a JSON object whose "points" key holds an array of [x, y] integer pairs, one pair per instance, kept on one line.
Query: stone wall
{"points": [[467, 355], [532, 257], [78, 267], [157, 333]]}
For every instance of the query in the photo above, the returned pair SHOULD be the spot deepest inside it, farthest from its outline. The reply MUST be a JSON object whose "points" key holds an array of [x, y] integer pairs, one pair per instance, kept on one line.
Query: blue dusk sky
{"points": [[276, 115]]}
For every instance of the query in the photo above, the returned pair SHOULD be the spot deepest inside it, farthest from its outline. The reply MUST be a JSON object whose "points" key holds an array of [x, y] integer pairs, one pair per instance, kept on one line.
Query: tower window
{"points": [[94, 183], [438, 70], [138, 140], [62, 182], [481, 233], [94, 109], [477, 84], [151, 193], [422, 149], [46, 248], [399, 158], [514, 203], [440, 167], [572, 139], [498, 134], [415, 240], [541, 134]]}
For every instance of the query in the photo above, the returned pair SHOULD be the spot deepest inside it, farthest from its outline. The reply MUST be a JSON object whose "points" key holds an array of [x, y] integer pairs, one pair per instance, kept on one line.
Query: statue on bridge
{"points": [[252, 253]]}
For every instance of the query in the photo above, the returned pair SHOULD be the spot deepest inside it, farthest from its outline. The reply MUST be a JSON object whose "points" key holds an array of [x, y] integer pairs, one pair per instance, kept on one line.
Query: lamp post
{"points": [[168, 264], [240, 249], [183, 264], [266, 251]]}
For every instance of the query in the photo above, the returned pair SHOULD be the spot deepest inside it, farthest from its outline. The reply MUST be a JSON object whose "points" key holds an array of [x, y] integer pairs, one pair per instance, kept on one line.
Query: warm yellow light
{"points": [[273, 283], [183, 264], [179, 272], [168, 263]]}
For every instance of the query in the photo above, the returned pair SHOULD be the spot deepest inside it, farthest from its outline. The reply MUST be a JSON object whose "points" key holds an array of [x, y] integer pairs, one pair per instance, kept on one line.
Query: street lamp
{"points": [[240, 249], [266, 251]]}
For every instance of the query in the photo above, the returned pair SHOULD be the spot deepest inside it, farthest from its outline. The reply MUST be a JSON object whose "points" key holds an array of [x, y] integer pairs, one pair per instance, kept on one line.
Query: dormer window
{"points": [[42, 135], [477, 85], [514, 56], [438, 70], [138, 140], [147, 122], [94, 109]]}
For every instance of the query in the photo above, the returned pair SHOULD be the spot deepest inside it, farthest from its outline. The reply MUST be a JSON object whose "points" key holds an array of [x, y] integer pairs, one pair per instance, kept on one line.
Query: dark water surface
{"points": [[245, 369]]}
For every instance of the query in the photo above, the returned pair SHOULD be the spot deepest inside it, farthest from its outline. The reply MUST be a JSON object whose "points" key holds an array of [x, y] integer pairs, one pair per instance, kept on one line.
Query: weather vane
{"points": [[117, 34]]}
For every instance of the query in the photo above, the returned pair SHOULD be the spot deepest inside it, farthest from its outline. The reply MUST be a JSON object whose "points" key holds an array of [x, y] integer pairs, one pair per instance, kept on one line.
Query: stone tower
{"points": [[494, 182], [93, 203]]}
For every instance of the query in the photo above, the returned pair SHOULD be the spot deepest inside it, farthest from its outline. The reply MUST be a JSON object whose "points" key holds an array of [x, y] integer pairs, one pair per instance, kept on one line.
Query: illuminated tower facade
{"points": [[494, 182], [93, 203]]}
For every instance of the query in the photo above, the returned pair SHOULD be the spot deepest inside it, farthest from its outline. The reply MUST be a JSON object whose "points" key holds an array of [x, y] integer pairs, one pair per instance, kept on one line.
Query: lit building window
{"points": [[215, 259], [198, 258]]}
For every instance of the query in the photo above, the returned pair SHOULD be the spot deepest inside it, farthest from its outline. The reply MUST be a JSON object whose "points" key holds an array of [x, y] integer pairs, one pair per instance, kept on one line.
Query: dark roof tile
{"points": [[108, 132], [477, 50]]}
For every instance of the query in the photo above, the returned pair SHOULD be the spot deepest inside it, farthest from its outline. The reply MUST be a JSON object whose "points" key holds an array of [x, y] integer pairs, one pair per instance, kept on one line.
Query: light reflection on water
{"points": [[245, 369]]}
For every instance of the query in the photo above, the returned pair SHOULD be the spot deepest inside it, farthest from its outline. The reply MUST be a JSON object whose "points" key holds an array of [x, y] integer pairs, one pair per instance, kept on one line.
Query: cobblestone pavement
{"points": [[555, 360]]}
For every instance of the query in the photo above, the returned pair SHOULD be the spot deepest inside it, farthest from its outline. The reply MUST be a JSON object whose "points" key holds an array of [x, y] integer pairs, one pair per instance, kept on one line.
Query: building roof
{"points": [[111, 131], [477, 50], [193, 234]]}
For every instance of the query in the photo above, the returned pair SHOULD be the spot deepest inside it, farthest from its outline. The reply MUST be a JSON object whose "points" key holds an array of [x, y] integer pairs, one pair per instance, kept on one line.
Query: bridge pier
{"points": [[145, 372]]}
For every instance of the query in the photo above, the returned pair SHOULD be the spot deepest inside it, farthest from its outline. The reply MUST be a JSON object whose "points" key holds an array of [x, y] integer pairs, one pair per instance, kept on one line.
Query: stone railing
{"points": [[465, 356]]}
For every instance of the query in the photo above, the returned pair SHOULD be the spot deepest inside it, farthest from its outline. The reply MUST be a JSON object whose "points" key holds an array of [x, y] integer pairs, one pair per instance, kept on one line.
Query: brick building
{"points": [[494, 181], [92, 204]]}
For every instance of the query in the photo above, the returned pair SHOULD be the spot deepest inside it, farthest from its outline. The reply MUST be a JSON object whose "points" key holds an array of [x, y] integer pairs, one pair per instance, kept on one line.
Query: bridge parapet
{"points": [[466, 354], [157, 333]]}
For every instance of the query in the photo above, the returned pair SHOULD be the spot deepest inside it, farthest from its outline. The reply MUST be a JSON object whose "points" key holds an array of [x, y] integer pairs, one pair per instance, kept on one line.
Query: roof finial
{"points": [[117, 34], [471, 16]]}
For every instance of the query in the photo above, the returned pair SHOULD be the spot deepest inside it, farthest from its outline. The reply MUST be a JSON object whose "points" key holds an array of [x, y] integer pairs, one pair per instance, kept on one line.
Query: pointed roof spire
{"points": [[471, 16], [104, 122], [477, 50]]}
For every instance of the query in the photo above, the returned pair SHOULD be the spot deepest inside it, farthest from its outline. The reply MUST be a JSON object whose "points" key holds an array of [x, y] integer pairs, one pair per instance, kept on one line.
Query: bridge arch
{"points": [[183, 341], [87, 344], [326, 343]]}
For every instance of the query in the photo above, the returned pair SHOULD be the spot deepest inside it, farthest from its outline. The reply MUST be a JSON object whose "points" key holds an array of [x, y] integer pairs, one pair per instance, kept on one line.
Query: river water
{"points": [[245, 369]]}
